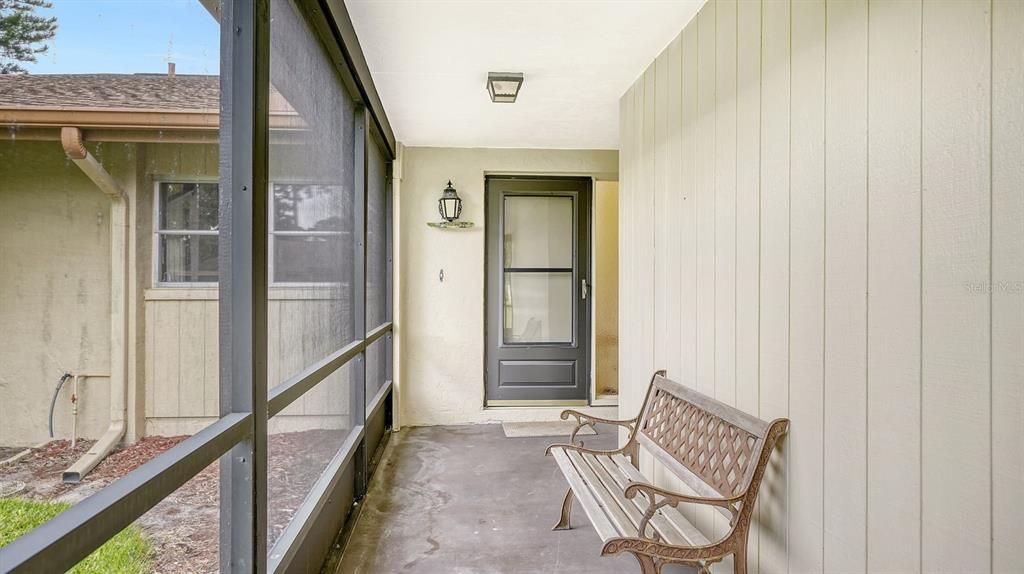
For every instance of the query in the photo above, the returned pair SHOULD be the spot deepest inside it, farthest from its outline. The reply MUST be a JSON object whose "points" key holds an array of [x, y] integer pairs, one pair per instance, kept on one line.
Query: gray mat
{"points": [[552, 428]]}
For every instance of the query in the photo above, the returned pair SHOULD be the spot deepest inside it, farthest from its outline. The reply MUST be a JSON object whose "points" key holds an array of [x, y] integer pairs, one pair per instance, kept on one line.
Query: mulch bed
{"points": [[7, 452], [184, 527]]}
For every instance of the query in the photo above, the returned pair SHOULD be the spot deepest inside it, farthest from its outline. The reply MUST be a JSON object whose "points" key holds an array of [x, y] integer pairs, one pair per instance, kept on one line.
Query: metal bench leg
{"points": [[563, 522], [647, 564]]}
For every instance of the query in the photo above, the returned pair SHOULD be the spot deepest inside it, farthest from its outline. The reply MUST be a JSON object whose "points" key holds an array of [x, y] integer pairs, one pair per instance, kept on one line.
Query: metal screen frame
{"points": [[239, 437]]}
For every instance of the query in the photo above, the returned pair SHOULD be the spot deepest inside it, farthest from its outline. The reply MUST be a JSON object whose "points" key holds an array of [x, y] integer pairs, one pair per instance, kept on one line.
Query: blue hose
{"points": [[53, 402]]}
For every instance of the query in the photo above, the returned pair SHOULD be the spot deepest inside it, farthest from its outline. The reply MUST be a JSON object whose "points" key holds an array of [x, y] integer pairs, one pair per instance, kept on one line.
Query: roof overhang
{"points": [[127, 125]]}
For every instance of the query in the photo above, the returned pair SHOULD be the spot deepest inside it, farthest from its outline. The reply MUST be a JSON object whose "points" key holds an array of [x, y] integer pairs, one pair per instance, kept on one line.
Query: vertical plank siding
{"points": [[956, 254], [725, 217], [846, 200], [688, 291], [705, 224], [1007, 289], [182, 377], [807, 287], [748, 223], [894, 285], [166, 346], [669, 270], [629, 383], [835, 190], [774, 281], [645, 270]]}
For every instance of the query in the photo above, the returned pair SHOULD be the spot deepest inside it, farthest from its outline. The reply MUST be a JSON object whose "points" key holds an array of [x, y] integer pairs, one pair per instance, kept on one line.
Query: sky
{"points": [[130, 36]]}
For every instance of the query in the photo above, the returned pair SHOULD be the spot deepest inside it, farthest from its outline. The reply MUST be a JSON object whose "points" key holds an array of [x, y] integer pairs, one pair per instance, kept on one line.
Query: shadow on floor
{"points": [[465, 499]]}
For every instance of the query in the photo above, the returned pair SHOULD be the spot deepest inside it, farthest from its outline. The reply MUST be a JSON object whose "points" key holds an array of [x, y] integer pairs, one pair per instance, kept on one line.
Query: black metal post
{"points": [[389, 234], [245, 88], [358, 408]]}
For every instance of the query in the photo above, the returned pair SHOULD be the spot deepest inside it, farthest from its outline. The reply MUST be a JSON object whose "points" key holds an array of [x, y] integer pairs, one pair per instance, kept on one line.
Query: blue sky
{"points": [[129, 36]]}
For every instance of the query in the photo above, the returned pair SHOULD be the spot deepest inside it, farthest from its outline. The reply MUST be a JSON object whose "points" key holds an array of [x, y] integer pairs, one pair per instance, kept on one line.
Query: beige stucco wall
{"points": [[54, 288], [442, 323], [823, 219]]}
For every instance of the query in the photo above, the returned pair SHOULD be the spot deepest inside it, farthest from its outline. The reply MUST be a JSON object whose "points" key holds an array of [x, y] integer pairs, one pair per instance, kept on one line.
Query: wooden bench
{"points": [[718, 451]]}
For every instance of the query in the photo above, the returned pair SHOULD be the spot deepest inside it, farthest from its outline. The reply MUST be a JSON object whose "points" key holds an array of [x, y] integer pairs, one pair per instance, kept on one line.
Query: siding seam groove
{"points": [[920, 301], [824, 279], [867, 284], [789, 260], [760, 135], [991, 290], [736, 209]]}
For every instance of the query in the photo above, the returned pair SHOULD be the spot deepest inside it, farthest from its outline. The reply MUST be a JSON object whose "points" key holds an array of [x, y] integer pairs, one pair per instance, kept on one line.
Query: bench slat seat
{"points": [[612, 514], [594, 507], [715, 449], [691, 535]]}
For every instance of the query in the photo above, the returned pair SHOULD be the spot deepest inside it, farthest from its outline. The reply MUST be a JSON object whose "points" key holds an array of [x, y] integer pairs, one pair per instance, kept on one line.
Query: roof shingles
{"points": [[110, 91]]}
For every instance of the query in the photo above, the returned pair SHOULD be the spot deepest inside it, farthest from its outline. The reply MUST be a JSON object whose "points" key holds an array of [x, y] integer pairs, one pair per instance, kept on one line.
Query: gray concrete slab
{"points": [[466, 499]]}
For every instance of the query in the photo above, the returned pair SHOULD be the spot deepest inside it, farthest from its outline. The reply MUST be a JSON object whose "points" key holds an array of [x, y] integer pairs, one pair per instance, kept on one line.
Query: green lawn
{"points": [[126, 553]]}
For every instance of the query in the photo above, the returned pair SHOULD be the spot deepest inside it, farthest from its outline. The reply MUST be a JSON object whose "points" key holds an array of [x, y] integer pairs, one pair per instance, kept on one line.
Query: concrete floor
{"points": [[465, 499]]}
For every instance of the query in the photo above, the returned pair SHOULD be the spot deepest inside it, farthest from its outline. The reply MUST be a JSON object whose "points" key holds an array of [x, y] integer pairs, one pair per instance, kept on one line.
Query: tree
{"points": [[23, 33]]}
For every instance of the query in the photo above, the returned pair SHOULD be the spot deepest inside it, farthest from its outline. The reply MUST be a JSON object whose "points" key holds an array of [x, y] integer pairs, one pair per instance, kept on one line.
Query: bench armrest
{"points": [[583, 419], [673, 498], [659, 497], [579, 416], [581, 448]]}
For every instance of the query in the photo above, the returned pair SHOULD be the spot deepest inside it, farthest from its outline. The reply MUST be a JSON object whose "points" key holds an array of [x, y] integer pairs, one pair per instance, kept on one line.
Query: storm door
{"points": [[538, 318]]}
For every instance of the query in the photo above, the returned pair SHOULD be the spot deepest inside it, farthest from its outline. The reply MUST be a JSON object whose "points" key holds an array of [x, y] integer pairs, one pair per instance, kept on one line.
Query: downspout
{"points": [[74, 149]]}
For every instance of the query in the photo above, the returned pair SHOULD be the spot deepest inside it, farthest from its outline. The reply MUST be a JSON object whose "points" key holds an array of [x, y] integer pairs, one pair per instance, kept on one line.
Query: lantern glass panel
{"points": [[450, 208]]}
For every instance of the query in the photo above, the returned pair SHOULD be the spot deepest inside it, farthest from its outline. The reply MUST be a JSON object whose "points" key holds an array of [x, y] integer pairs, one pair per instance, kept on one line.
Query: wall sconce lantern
{"points": [[450, 208], [504, 86]]}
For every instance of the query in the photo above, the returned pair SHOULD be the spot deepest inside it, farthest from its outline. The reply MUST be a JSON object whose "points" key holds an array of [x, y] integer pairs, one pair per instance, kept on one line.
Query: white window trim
{"points": [[157, 232]]}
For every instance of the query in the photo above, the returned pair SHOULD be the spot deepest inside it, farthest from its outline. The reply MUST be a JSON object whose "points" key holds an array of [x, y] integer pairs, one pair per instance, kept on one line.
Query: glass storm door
{"points": [[538, 318]]}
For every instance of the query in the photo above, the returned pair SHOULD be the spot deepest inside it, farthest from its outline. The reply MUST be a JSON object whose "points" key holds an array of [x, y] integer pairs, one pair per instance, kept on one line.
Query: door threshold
{"points": [[605, 401], [536, 403]]}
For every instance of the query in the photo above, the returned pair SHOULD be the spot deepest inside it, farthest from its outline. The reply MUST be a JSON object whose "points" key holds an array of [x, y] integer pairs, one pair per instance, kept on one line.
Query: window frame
{"points": [[157, 252]]}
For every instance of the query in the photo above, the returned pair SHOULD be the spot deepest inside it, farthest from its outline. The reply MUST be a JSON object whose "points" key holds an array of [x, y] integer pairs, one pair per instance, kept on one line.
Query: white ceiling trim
{"points": [[430, 58]]}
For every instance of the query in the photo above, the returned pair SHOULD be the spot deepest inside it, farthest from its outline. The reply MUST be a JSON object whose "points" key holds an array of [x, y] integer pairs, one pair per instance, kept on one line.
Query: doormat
{"points": [[551, 428]]}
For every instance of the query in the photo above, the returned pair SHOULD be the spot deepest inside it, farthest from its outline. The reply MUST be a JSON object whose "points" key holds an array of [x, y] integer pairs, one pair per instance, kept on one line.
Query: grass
{"points": [[126, 553]]}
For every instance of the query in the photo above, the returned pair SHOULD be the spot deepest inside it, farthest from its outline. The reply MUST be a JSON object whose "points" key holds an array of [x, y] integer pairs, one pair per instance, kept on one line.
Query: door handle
{"points": [[583, 288]]}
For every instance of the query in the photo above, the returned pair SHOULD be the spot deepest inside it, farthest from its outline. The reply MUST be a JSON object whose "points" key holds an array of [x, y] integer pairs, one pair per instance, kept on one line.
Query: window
{"points": [[307, 224], [186, 240], [306, 235]]}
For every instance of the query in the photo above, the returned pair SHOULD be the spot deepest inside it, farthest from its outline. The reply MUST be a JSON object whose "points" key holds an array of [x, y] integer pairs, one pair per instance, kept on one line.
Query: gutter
{"points": [[131, 119], [74, 149]]}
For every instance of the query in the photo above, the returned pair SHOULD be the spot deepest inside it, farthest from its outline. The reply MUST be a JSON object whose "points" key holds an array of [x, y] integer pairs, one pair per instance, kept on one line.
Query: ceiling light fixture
{"points": [[504, 86]]}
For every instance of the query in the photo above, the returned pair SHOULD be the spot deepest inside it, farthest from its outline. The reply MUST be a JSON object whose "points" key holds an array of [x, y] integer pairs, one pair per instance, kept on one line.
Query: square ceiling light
{"points": [[504, 86]]}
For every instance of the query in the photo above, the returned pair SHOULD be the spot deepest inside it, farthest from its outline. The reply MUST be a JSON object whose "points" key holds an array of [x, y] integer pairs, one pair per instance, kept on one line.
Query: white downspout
{"points": [[396, 298], [74, 148]]}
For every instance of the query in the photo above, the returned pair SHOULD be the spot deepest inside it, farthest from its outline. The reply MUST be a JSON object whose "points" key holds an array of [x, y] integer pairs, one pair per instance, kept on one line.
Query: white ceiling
{"points": [[430, 58]]}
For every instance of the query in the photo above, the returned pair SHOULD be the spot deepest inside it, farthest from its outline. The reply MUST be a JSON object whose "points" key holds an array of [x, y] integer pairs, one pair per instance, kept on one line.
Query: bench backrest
{"points": [[713, 447]]}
